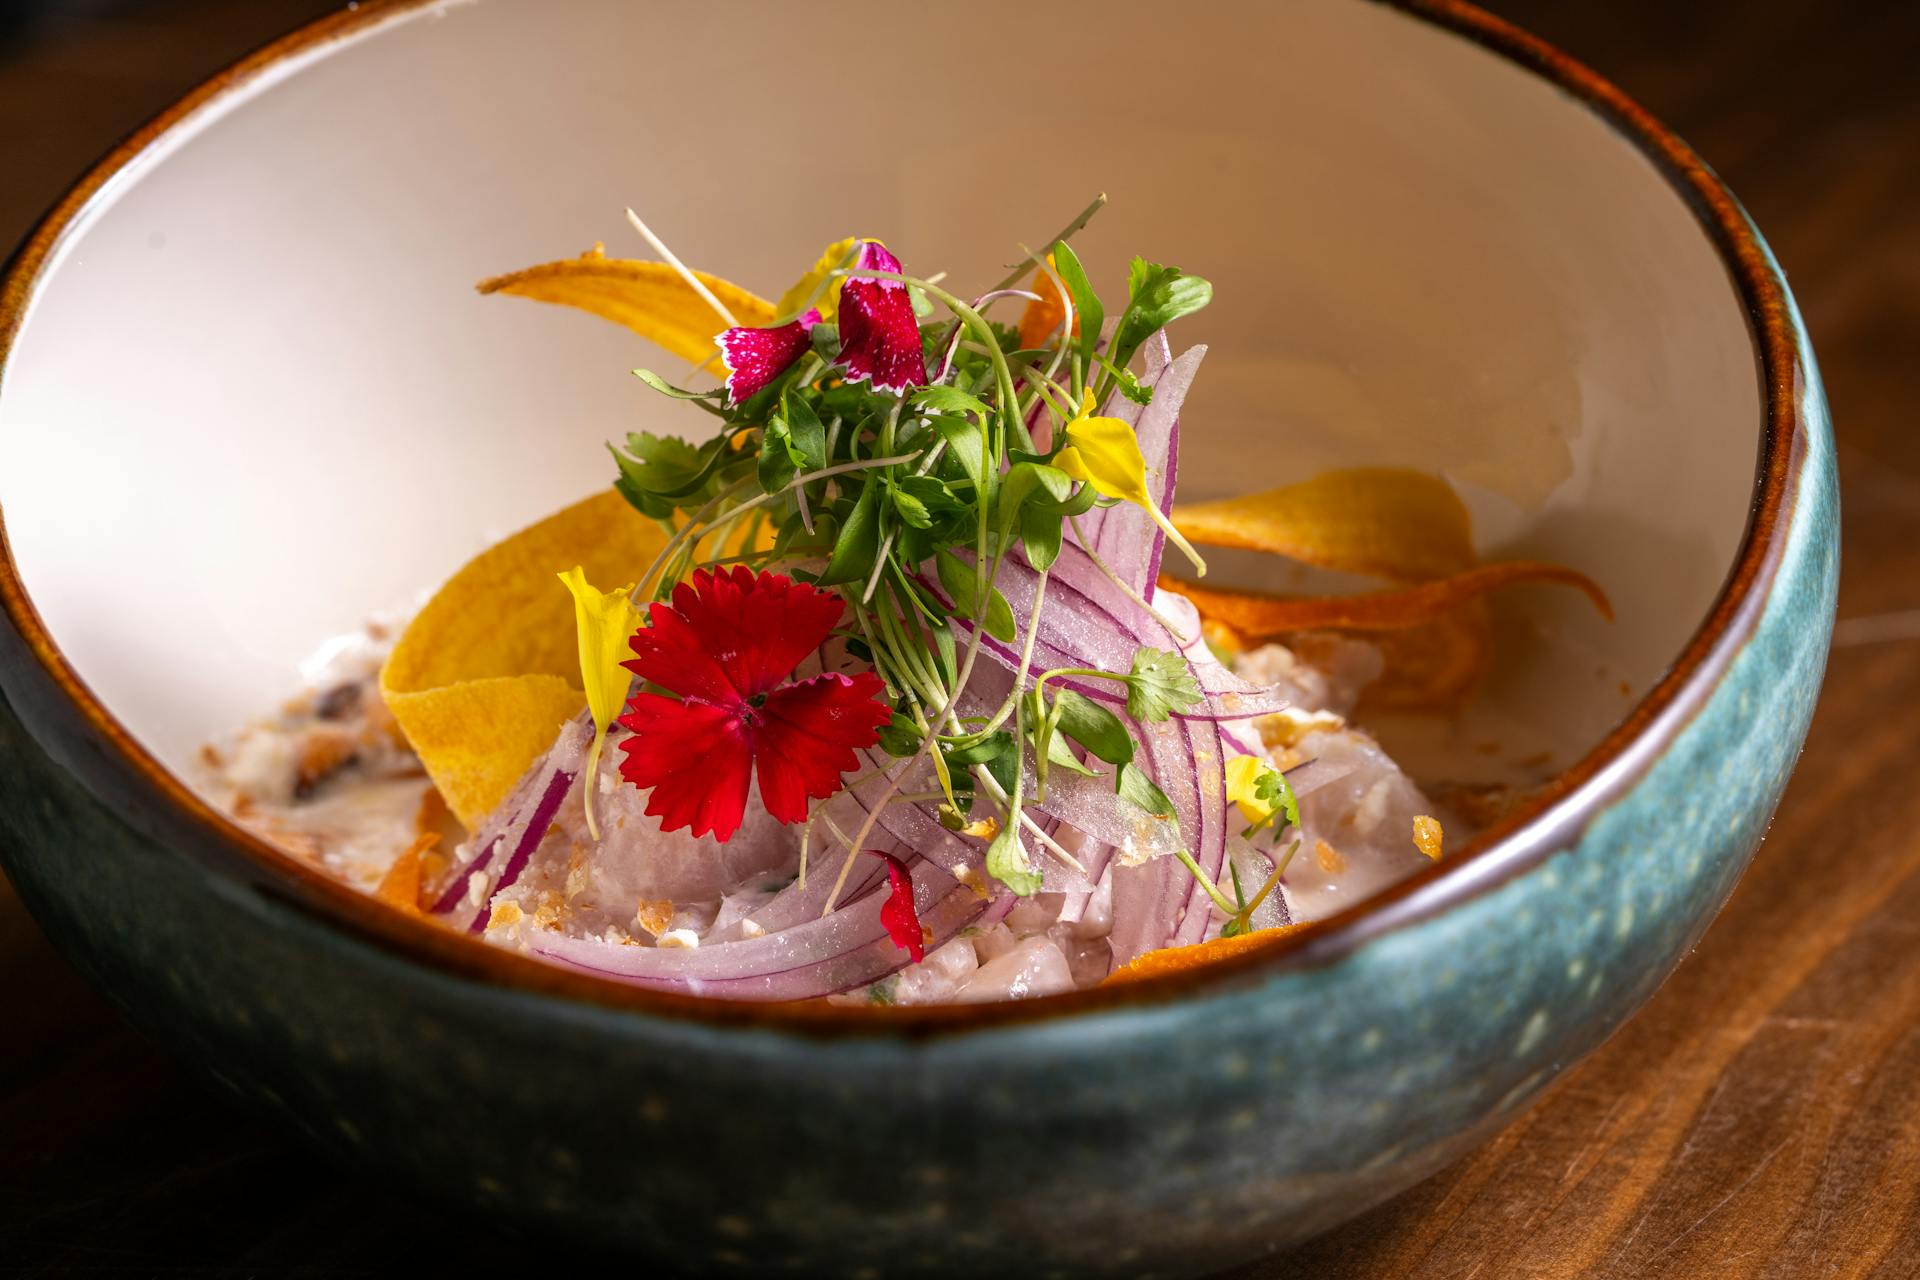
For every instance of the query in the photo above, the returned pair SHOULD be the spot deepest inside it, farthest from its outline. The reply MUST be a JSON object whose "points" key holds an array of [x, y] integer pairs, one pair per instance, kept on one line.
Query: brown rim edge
{"points": [[1547, 824]]}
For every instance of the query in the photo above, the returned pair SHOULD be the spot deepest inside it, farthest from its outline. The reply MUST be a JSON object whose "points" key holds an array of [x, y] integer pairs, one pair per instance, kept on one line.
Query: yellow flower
{"points": [[796, 299], [1243, 781], [604, 620], [1105, 454]]}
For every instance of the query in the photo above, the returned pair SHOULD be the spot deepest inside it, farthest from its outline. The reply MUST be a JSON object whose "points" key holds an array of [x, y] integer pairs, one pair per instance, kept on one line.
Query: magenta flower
{"points": [[755, 357], [879, 334]]}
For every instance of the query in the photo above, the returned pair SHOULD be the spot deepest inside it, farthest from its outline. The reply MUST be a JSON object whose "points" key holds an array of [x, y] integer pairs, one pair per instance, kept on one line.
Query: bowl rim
{"points": [[1551, 820]]}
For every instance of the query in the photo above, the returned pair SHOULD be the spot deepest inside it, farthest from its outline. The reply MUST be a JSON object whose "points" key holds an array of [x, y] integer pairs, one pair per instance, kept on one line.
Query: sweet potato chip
{"points": [[1182, 959], [1387, 522], [650, 298], [1260, 617], [1405, 526], [486, 673]]}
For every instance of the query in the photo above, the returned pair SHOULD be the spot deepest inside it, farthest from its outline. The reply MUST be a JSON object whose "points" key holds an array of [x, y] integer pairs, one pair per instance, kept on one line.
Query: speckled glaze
{"points": [[1168, 1128]]}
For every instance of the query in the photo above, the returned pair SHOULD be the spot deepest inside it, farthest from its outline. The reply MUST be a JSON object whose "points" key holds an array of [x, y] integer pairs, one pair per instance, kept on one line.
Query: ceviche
{"points": [[893, 679]]}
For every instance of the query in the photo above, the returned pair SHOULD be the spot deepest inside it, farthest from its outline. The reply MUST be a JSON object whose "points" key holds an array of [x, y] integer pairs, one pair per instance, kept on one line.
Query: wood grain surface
{"points": [[1760, 1118]]}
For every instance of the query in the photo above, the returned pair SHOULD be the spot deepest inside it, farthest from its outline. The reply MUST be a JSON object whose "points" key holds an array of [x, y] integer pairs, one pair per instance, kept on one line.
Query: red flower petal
{"points": [[897, 913], [697, 757], [675, 655], [755, 357], [805, 736], [756, 628], [879, 334]]}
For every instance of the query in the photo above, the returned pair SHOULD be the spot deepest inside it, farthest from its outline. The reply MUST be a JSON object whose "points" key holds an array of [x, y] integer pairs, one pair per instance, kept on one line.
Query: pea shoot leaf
{"points": [[957, 577], [1007, 862], [1093, 727], [857, 543]]}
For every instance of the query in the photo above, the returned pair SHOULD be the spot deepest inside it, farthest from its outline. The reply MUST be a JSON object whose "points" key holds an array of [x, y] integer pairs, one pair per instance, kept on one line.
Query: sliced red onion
{"points": [[1125, 538], [1088, 621], [847, 949], [558, 787], [518, 824]]}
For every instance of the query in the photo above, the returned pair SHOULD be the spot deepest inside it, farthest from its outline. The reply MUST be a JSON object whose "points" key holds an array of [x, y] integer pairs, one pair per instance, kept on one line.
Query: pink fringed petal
{"points": [[879, 334], [755, 357]]}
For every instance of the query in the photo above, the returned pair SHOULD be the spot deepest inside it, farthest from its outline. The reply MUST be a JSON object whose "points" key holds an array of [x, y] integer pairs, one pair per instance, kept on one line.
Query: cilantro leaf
{"points": [[1160, 684], [1156, 296], [1276, 793]]}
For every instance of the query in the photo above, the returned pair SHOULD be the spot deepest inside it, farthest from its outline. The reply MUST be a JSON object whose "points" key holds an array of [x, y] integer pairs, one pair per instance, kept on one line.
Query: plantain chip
{"points": [[486, 673], [650, 298], [1386, 522]]}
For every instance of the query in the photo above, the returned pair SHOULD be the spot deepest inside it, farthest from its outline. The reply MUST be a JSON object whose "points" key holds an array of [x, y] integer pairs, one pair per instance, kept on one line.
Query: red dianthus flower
{"points": [[728, 646]]}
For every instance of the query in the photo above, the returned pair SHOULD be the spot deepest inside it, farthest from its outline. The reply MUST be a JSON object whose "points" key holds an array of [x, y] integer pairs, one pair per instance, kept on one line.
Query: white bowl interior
{"points": [[255, 398]]}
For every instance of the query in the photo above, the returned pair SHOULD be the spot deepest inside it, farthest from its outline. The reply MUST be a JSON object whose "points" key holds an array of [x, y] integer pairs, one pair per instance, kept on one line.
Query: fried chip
{"points": [[650, 298], [1181, 959], [1260, 617], [400, 886], [1386, 522], [489, 669]]}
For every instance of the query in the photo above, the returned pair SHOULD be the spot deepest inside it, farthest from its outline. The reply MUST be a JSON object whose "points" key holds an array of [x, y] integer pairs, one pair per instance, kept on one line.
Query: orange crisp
{"points": [[1183, 959]]}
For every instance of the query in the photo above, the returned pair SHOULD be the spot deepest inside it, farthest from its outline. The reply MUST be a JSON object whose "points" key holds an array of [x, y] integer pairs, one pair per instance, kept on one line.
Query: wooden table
{"points": [[1760, 1118]]}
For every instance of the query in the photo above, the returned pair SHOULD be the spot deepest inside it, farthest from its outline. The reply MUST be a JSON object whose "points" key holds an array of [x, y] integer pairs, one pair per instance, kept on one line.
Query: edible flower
{"points": [[879, 334], [1104, 453], [603, 620], [755, 357], [898, 913], [726, 648], [1259, 790], [1045, 312]]}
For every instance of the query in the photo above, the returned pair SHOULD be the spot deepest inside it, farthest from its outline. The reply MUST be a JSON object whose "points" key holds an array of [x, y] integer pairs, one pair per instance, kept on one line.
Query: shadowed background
{"points": [[1754, 1120]]}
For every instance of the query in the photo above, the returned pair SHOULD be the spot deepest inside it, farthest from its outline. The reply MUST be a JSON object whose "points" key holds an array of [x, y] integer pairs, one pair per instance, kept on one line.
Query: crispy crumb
{"points": [[983, 828], [679, 938], [970, 876], [505, 916], [1331, 860], [1428, 836], [752, 929], [654, 915], [1285, 727]]}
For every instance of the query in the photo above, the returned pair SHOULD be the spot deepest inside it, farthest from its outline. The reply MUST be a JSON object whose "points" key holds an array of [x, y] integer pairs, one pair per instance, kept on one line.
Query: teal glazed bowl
{"points": [[247, 399]]}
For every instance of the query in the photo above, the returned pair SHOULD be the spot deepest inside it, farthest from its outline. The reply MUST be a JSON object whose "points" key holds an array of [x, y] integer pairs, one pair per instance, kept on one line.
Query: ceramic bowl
{"points": [[250, 398]]}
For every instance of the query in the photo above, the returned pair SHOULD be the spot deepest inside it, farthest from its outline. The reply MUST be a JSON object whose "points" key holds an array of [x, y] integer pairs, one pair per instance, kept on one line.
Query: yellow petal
{"points": [[1386, 522], [650, 298], [486, 673], [804, 290], [1243, 780], [1105, 453], [603, 620]]}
